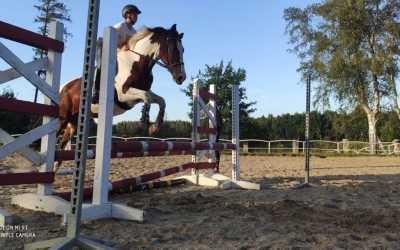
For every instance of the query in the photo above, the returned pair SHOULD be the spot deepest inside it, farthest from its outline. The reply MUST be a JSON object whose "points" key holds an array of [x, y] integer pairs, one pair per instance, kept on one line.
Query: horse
{"points": [[134, 78]]}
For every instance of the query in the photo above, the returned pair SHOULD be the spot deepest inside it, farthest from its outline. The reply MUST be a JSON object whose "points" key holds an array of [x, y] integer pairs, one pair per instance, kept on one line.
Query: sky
{"points": [[251, 34]]}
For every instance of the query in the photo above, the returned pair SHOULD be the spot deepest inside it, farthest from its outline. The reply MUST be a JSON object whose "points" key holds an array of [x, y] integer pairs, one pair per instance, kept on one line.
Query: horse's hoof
{"points": [[153, 130]]}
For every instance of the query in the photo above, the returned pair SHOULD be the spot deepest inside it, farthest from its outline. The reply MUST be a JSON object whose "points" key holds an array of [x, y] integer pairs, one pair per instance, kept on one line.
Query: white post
{"points": [[235, 133], [104, 129], [195, 121], [48, 143], [246, 147], [346, 145], [396, 146]]}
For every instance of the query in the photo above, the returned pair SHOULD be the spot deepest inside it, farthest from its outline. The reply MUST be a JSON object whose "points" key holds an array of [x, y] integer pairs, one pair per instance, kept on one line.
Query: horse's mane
{"points": [[142, 33]]}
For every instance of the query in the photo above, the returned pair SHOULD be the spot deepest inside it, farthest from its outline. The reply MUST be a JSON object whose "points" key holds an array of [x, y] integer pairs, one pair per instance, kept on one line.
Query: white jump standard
{"points": [[213, 178], [44, 199]]}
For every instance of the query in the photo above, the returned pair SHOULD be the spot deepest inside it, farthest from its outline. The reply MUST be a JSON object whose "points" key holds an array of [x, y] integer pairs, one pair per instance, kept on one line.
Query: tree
{"points": [[224, 76], [49, 11], [395, 96], [351, 48], [13, 123]]}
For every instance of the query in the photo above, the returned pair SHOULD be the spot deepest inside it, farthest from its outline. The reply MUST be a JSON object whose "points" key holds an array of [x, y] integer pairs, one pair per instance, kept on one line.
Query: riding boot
{"points": [[97, 73], [96, 86]]}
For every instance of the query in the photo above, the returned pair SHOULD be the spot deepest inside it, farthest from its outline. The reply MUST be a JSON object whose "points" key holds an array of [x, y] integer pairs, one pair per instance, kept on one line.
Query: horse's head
{"points": [[156, 45], [171, 53]]}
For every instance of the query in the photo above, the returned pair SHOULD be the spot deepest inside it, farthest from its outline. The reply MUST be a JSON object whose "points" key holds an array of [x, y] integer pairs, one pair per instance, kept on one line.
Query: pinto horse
{"points": [[149, 46]]}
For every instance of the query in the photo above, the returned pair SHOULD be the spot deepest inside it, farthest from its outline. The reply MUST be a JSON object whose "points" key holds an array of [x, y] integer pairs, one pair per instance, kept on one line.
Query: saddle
{"points": [[96, 92]]}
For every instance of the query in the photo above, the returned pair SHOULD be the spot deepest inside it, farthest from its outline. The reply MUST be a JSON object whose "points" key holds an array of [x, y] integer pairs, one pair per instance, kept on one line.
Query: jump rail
{"points": [[131, 183], [142, 148], [27, 37]]}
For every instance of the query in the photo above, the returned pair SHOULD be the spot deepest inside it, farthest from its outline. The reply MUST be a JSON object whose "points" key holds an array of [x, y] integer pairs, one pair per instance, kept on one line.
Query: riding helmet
{"points": [[129, 9]]}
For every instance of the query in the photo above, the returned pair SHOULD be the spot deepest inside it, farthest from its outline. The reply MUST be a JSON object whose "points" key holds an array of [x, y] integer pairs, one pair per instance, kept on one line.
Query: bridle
{"points": [[159, 61]]}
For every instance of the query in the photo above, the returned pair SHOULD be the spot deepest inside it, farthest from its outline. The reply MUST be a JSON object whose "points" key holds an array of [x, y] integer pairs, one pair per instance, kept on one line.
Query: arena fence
{"points": [[293, 147]]}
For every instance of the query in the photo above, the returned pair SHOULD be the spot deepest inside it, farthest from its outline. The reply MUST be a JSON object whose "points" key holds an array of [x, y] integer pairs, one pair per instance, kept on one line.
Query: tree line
{"points": [[328, 125]]}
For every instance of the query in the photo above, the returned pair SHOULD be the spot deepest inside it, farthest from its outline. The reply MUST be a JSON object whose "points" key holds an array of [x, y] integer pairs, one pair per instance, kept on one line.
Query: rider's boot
{"points": [[96, 86]]}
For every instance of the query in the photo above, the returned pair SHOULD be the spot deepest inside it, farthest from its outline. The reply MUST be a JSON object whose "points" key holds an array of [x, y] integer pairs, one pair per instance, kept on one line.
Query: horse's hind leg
{"points": [[61, 130], [67, 136]]}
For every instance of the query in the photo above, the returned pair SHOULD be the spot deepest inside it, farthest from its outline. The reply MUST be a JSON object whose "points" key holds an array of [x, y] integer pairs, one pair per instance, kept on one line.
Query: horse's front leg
{"points": [[147, 97], [156, 126], [145, 119]]}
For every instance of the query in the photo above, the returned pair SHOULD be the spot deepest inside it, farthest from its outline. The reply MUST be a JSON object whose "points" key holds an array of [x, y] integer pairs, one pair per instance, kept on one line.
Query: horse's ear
{"points": [[181, 35], [173, 27]]}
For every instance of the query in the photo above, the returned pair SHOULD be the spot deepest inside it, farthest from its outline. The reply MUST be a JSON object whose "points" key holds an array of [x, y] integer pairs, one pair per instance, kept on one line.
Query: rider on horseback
{"points": [[124, 30]]}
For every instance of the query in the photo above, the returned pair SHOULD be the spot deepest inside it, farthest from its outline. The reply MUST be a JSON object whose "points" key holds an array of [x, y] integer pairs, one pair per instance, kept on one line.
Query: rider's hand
{"points": [[125, 47]]}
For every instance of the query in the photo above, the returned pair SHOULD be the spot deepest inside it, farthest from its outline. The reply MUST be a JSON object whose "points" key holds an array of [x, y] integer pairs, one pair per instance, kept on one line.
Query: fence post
{"points": [[245, 147], [269, 147], [396, 146], [338, 147], [346, 145], [295, 146]]}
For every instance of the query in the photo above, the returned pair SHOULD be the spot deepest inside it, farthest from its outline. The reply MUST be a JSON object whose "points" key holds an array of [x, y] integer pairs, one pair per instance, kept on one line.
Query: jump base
{"points": [[109, 210], [5, 218], [45, 203], [219, 180]]}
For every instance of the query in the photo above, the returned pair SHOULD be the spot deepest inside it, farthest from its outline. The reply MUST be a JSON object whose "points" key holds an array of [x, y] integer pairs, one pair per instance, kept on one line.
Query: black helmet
{"points": [[130, 8]]}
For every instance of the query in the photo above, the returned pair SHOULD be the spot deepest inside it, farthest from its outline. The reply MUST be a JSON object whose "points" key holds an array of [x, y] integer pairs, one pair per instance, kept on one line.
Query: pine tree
{"points": [[49, 11]]}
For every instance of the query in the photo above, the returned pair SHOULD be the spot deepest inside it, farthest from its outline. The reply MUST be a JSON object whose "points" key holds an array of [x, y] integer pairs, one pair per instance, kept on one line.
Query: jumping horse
{"points": [[149, 46]]}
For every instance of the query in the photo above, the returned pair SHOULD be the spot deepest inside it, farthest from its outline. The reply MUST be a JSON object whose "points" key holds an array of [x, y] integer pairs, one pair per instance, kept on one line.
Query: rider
{"points": [[124, 30]]}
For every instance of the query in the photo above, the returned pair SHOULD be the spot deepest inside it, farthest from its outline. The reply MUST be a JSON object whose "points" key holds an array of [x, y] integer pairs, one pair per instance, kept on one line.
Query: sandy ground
{"points": [[354, 204]]}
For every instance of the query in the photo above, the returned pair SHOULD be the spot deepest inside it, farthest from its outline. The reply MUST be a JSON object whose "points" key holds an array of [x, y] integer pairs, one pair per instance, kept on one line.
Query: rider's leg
{"points": [[97, 72]]}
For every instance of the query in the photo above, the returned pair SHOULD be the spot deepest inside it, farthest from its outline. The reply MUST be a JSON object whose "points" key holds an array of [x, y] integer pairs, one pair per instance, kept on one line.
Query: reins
{"points": [[158, 61]]}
